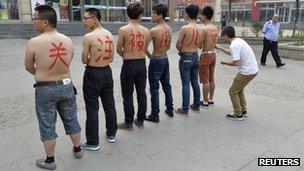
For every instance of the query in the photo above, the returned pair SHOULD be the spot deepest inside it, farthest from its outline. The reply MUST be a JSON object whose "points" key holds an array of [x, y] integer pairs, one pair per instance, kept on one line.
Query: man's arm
{"points": [[179, 43], [85, 50], [203, 39], [231, 63], [29, 61], [265, 27], [223, 49], [120, 42], [148, 42], [170, 40]]}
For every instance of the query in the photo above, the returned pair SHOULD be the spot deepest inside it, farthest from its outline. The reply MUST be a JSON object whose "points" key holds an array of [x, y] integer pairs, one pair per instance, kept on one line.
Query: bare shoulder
{"points": [[144, 29], [124, 28], [154, 29], [108, 33], [168, 27]]}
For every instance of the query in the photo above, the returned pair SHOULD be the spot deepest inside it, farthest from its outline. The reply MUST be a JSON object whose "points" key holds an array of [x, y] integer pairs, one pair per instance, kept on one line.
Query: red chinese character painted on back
{"points": [[140, 41], [165, 41], [137, 41], [57, 52], [194, 38], [99, 50], [132, 41], [109, 50], [214, 35]]}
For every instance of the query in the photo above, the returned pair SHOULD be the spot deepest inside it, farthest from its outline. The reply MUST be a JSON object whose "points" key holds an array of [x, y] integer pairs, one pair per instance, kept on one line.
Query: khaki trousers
{"points": [[236, 92]]}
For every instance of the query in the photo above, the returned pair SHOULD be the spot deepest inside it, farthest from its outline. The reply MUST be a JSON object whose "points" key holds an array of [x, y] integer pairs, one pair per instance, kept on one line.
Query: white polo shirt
{"points": [[240, 50]]}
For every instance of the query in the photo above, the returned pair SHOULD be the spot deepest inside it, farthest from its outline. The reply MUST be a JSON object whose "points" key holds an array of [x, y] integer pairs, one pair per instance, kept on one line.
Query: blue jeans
{"points": [[50, 99], [189, 67], [159, 71]]}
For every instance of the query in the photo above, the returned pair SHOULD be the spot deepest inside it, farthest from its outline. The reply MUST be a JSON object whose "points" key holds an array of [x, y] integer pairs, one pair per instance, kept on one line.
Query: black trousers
{"points": [[134, 72], [98, 82], [273, 47]]}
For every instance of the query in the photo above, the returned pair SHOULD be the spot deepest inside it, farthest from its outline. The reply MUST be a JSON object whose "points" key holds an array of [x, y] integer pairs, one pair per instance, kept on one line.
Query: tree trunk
{"points": [[297, 18], [229, 11]]}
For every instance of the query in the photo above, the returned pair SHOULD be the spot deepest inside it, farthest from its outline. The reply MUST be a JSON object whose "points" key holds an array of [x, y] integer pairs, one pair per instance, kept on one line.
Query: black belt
{"points": [[37, 84]]}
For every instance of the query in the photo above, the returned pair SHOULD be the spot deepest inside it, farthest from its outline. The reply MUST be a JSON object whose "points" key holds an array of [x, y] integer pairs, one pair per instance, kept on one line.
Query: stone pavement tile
{"points": [[29, 163], [10, 167], [107, 158], [211, 163], [14, 153], [226, 151], [269, 154], [170, 159], [292, 146]]}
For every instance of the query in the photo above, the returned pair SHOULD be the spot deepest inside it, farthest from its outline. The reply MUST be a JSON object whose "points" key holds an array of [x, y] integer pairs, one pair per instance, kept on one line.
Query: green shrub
{"points": [[299, 37], [256, 28]]}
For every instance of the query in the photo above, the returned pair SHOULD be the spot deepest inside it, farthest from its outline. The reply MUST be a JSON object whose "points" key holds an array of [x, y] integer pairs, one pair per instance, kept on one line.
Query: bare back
{"points": [[210, 37], [161, 36], [192, 38], [101, 47], [135, 38], [53, 53]]}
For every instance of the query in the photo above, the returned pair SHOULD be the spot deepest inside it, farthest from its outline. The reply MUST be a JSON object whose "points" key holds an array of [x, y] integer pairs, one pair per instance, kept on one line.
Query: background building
{"points": [[72, 10], [264, 9]]}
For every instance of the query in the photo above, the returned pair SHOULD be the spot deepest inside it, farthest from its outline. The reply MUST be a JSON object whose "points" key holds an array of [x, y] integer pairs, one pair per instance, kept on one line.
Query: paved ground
{"points": [[205, 140]]}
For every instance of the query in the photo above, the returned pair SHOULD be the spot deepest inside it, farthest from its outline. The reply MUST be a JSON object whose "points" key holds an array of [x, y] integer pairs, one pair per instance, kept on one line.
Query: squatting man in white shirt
{"points": [[244, 59]]}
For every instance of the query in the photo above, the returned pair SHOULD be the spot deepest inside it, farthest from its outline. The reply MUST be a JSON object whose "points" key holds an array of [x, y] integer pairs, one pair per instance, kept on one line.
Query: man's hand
{"points": [[223, 63]]}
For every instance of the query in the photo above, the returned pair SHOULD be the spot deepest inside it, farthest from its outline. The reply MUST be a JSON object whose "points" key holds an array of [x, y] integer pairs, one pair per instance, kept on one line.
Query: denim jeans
{"points": [[159, 71], [134, 72], [98, 83], [52, 98], [189, 67]]}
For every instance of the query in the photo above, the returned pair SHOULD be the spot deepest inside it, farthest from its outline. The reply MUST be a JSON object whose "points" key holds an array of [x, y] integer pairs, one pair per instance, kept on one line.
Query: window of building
{"points": [[302, 16], [9, 10]]}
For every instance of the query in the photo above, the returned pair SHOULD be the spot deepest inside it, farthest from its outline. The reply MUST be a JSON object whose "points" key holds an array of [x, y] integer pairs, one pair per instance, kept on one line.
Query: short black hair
{"points": [[95, 12], [161, 8], [208, 12], [134, 10], [228, 31], [48, 13], [192, 10]]}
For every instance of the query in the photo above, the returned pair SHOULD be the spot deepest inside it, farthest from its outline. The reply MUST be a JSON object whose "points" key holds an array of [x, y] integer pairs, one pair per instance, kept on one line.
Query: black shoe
{"points": [[244, 113], [211, 103], [153, 118], [194, 108], [139, 124], [235, 117], [263, 64], [169, 113], [181, 111], [280, 65], [124, 126], [204, 105]]}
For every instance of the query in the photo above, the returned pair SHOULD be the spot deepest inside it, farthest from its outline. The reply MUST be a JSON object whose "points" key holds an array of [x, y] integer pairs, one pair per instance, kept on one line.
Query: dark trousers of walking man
{"points": [[273, 47]]}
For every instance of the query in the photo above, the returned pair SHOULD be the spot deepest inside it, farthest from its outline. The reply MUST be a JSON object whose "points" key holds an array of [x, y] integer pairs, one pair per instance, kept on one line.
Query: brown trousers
{"points": [[236, 92]]}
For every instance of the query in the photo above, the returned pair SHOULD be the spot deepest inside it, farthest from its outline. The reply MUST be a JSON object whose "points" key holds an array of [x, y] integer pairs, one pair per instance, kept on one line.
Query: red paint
{"points": [[140, 43], [137, 41], [109, 50], [214, 35], [165, 41], [99, 50], [57, 52], [132, 41], [194, 38]]}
